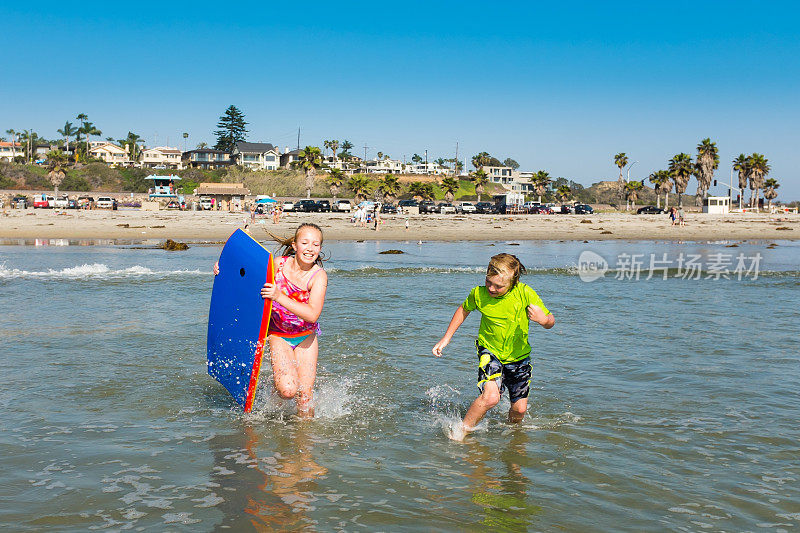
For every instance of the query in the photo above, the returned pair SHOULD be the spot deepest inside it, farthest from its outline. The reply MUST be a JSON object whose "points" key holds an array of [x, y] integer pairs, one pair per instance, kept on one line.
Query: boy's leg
{"points": [[517, 378], [306, 354], [284, 367], [488, 399], [517, 411]]}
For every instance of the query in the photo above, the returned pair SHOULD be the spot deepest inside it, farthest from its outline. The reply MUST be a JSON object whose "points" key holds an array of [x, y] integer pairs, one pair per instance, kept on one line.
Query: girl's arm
{"points": [[309, 312], [458, 318]]}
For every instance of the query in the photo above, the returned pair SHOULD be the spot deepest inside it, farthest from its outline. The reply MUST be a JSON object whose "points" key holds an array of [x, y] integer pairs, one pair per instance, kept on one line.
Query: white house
{"points": [[385, 166], [256, 156], [10, 150], [161, 157], [509, 178], [111, 154], [428, 169]]}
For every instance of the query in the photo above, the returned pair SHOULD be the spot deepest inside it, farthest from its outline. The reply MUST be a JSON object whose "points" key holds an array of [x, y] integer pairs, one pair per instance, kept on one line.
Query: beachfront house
{"points": [[428, 169], [256, 156], [206, 158], [161, 157], [509, 178], [10, 150], [163, 187], [288, 157], [385, 166], [225, 196], [111, 154]]}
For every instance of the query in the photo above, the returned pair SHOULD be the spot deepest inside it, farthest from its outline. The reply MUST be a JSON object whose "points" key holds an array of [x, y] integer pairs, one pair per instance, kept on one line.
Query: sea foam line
{"points": [[94, 271]]}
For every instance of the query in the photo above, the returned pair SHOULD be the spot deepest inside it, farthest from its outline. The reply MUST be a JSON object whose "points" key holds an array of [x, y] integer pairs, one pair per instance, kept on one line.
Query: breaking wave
{"points": [[93, 271]]}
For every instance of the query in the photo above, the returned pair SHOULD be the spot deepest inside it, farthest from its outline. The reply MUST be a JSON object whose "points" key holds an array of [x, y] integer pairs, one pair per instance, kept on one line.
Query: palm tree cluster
{"points": [[752, 170]]}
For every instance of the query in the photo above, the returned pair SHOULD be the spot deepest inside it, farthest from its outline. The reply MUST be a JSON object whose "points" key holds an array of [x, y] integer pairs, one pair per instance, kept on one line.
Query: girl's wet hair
{"points": [[507, 264], [286, 244]]}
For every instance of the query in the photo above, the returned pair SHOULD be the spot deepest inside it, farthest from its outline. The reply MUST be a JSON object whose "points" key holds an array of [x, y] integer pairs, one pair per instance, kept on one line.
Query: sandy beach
{"points": [[217, 226]]}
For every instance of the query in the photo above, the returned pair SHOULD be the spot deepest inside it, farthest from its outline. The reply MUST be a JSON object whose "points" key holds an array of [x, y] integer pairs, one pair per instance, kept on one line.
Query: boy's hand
{"points": [[215, 269], [270, 290], [536, 314], [437, 350]]}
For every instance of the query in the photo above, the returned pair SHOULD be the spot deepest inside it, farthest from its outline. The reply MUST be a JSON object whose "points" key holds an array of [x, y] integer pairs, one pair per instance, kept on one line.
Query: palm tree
{"points": [[334, 181], [416, 159], [361, 186], [131, 144], [450, 186], [564, 193], [621, 160], [89, 129], [389, 187], [185, 136], [541, 181], [480, 179], [202, 146], [380, 155], [769, 190], [83, 118], [346, 147], [423, 191], [759, 168], [742, 165], [662, 184], [681, 169], [632, 189], [13, 134], [480, 160], [55, 167], [707, 162], [309, 159]]}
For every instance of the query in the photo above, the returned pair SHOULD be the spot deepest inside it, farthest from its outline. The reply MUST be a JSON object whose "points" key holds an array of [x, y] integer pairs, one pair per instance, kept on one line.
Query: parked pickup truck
{"points": [[106, 202], [62, 202]]}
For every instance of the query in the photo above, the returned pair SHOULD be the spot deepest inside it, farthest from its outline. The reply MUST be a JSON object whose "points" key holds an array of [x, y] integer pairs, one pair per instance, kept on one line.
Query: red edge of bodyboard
{"points": [[262, 337]]}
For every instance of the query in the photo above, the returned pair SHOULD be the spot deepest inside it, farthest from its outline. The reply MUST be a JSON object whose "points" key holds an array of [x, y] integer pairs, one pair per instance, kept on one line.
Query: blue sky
{"points": [[557, 86]]}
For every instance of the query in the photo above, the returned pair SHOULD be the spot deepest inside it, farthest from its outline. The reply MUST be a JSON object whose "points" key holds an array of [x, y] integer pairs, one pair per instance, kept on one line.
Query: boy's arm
{"points": [[536, 314], [458, 318]]}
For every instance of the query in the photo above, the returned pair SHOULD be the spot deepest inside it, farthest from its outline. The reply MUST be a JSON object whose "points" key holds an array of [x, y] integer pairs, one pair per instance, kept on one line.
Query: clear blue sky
{"points": [[561, 87]]}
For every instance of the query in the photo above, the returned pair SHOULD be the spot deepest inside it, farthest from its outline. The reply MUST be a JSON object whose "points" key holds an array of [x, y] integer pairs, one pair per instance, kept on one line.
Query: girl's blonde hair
{"points": [[507, 264], [286, 244]]}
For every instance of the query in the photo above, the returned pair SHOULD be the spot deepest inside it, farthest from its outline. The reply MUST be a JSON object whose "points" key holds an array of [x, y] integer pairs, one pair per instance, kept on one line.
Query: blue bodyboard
{"points": [[238, 318]]}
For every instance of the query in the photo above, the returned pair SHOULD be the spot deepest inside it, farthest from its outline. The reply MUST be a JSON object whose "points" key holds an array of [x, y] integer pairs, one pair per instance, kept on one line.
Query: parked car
{"points": [[649, 210], [484, 207], [427, 206], [106, 202], [540, 210], [465, 207], [305, 206], [583, 209], [205, 203], [446, 207], [19, 202], [530, 206], [288, 205], [41, 201], [72, 204], [62, 202], [323, 206], [407, 203], [389, 208], [344, 206], [565, 209]]}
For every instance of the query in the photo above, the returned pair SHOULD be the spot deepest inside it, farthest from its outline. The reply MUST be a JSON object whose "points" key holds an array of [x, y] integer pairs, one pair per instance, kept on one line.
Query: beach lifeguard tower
{"points": [[717, 205], [164, 187]]}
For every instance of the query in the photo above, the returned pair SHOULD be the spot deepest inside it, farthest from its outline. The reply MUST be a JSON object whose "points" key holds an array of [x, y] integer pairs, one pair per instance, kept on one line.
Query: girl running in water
{"points": [[297, 295]]}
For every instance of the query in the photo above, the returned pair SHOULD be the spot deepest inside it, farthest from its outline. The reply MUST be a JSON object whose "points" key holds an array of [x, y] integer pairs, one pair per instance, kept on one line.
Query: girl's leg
{"points": [[488, 399], [517, 411], [306, 354], [284, 367]]}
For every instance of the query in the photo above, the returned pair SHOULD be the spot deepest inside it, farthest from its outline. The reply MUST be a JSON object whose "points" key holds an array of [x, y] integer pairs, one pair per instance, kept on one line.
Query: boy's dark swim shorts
{"points": [[515, 376]]}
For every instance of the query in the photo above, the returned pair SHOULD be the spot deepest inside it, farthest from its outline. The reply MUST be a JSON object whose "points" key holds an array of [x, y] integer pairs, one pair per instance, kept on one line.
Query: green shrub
{"points": [[73, 182], [7, 183]]}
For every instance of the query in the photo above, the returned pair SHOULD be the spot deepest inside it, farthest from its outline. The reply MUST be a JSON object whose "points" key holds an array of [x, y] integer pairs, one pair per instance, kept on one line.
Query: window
{"points": [[269, 158]]}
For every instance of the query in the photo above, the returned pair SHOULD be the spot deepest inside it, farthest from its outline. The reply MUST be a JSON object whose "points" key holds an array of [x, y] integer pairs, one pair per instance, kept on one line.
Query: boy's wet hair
{"points": [[507, 264], [286, 244]]}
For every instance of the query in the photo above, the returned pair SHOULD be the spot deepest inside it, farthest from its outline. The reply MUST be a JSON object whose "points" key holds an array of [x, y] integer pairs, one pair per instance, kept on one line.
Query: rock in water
{"points": [[172, 246], [392, 252]]}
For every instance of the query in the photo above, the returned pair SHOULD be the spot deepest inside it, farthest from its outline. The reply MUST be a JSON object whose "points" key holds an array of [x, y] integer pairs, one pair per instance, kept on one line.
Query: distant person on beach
{"points": [[672, 216], [298, 296], [507, 307], [376, 217], [680, 216]]}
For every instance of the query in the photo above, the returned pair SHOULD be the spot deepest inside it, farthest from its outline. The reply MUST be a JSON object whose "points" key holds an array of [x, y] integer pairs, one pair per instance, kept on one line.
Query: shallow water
{"points": [[656, 404]]}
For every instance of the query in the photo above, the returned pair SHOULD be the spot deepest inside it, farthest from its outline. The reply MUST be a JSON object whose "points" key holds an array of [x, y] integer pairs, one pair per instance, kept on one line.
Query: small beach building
{"points": [[225, 196], [717, 205], [161, 157], [164, 187]]}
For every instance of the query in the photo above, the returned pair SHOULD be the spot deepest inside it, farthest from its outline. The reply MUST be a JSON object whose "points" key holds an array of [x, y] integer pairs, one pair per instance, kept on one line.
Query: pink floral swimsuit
{"points": [[283, 323]]}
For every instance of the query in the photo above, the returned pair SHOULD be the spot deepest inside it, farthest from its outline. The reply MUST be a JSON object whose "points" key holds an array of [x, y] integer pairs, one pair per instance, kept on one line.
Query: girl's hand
{"points": [[536, 314], [216, 268], [270, 291], [437, 350]]}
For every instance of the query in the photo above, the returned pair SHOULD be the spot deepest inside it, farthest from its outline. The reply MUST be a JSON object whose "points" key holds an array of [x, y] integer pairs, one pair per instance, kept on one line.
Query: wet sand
{"points": [[134, 224]]}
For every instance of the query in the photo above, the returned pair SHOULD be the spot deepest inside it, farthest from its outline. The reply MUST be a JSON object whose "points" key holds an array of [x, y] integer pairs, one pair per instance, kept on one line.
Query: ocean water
{"points": [[658, 404]]}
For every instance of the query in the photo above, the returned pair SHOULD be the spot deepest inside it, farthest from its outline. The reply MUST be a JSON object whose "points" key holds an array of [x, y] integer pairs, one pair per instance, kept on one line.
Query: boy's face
{"points": [[498, 284]]}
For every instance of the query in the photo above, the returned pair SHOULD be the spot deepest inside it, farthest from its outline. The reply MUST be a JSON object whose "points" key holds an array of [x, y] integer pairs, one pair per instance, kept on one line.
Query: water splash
{"points": [[94, 271]]}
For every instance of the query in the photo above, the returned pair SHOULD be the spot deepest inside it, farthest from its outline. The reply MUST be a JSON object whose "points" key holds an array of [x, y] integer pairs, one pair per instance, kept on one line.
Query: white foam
{"points": [[94, 271]]}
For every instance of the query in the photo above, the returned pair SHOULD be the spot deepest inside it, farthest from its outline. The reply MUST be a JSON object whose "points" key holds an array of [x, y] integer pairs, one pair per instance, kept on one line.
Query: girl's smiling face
{"points": [[499, 284], [307, 245]]}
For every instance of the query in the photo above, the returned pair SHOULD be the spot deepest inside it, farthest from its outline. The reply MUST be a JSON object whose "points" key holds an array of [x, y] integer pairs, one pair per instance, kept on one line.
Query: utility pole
{"points": [[455, 162], [365, 154], [298, 137], [426, 161]]}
